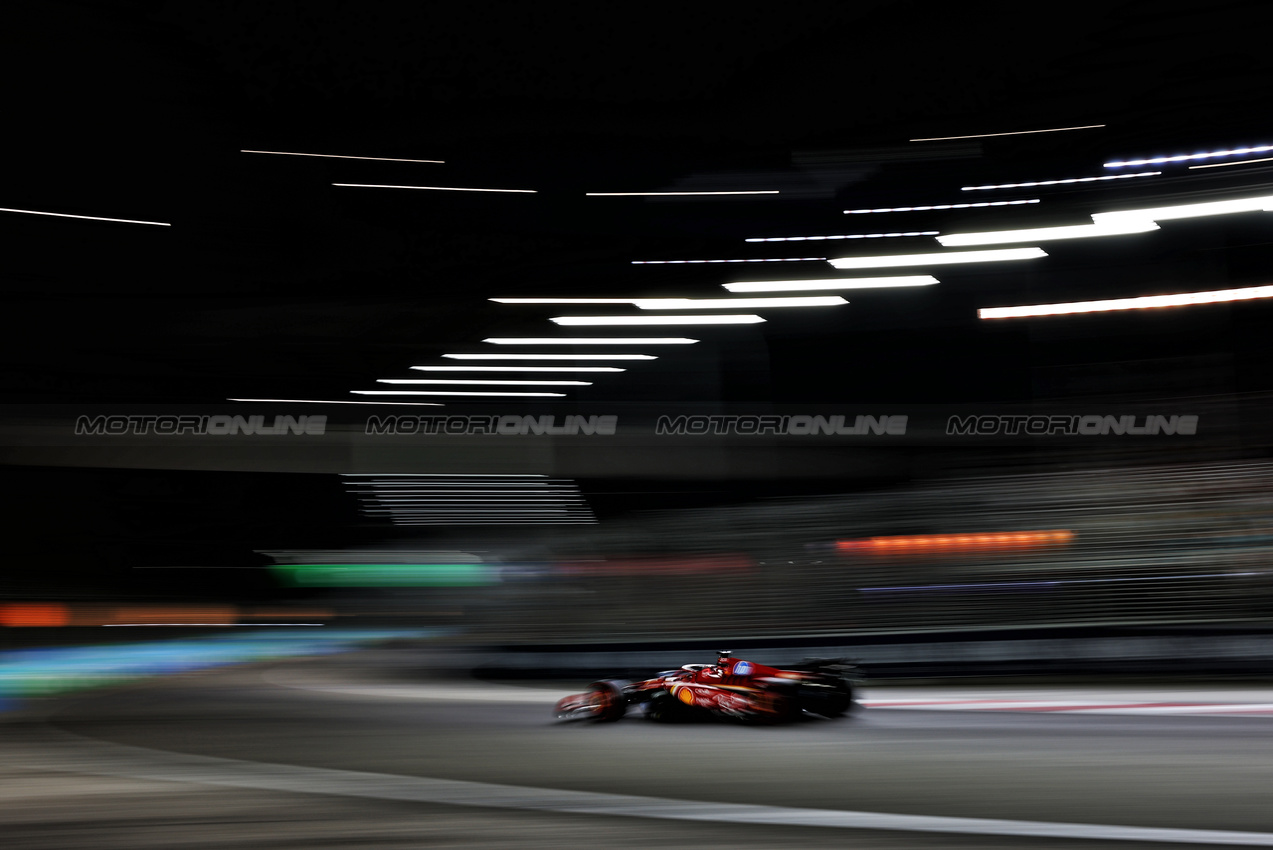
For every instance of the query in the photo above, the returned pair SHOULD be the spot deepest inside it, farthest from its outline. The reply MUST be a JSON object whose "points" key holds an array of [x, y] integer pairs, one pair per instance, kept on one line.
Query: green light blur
{"points": [[385, 575]]}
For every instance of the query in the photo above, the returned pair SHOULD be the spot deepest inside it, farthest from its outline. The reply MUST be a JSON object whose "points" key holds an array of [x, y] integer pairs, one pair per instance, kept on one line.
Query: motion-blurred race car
{"points": [[731, 688]]}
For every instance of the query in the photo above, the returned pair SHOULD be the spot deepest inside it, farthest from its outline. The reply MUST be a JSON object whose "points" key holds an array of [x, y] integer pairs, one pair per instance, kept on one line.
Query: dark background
{"points": [[271, 283]]}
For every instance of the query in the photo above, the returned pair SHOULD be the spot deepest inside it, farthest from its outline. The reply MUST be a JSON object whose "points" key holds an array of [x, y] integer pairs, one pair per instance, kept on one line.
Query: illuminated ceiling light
{"points": [[324, 401], [1014, 133], [1187, 156], [674, 194], [425, 502], [657, 320], [397, 484], [992, 256], [832, 283], [519, 369], [690, 303], [471, 493], [1113, 223], [476, 489], [1040, 234], [703, 262], [1060, 182], [551, 356], [590, 340], [433, 188], [485, 383], [561, 300], [943, 207], [741, 303], [1263, 203], [846, 236], [1238, 162], [87, 217], [338, 156], [1147, 302], [452, 392]]}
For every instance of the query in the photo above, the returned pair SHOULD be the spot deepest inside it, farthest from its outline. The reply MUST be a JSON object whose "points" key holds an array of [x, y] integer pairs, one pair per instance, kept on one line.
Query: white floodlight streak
{"points": [[433, 188], [338, 156], [943, 207], [690, 303], [656, 320], [844, 236], [561, 300], [1113, 223], [1122, 163], [519, 368], [738, 303], [1041, 234], [442, 475], [831, 284], [675, 194], [87, 217], [551, 356], [1060, 182], [709, 262], [954, 257], [452, 392], [1147, 302], [1237, 162], [449, 382], [1262, 203], [1013, 133], [590, 340], [325, 401]]}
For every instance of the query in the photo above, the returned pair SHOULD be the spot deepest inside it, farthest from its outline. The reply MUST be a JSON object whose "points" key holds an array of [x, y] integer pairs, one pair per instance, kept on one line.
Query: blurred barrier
{"points": [[1151, 545], [45, 672], [1049, 653]]}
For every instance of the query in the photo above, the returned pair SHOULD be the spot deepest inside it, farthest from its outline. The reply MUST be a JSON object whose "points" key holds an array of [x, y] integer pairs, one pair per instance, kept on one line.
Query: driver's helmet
{"points": [[724, 660]]}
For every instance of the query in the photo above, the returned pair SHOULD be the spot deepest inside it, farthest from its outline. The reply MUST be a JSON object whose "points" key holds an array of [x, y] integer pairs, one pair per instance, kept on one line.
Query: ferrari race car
{"points": [[730, 688]]}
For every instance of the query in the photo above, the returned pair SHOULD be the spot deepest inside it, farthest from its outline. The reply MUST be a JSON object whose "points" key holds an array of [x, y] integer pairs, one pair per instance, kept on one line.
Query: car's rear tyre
{"points": [[829, 698], [840, 702]]}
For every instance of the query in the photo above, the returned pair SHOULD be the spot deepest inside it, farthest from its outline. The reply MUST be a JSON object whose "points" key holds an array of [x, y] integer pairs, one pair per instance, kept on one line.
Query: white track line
{"points": [[1077, 707], [80, 755], [512, 694]]}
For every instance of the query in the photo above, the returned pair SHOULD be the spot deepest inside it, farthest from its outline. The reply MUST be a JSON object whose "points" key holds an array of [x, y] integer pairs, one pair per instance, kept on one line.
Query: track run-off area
{"points": [[366, 746]]}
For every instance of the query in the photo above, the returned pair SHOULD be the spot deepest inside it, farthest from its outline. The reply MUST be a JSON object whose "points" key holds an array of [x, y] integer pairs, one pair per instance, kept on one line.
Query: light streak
{"points": [[575, 321], [1060, 182], [1013, 133], [433, 188], [87, 217], [943, 207], [591, 340], [831, 283], [1187, 156], [1147, 302], [673, 194], [339, 156], [845, 236], [551, 356], [954, 257]]}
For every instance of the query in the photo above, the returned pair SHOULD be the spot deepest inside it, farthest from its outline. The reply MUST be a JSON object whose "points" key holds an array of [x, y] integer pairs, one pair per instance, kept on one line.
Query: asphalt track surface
{"points": [[360, 751]]}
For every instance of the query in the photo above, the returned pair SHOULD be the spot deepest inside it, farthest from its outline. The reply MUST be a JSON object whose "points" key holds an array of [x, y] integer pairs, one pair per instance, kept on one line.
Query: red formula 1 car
{"points": [[731, 688]]}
